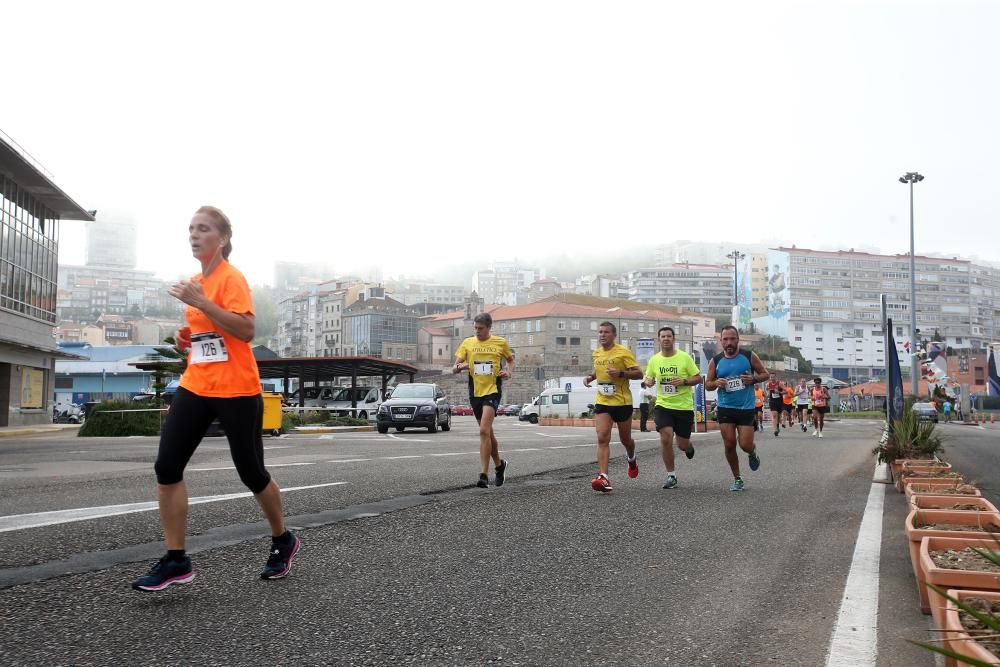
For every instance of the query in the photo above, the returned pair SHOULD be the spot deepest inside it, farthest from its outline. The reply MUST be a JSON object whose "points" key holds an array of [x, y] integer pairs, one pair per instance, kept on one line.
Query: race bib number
{"points": [[208, 348], [607, 389], [734, 384], [482, 368], [667, 388]]}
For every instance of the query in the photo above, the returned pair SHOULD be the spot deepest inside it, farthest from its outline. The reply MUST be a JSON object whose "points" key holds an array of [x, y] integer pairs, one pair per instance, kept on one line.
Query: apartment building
{"points": [[705, 288], [827, 305], [502, 282]]}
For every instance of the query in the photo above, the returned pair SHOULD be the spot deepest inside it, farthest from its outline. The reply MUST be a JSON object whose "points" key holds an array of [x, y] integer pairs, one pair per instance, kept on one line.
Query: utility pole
{"points": [[736, 256], [912, 177]]}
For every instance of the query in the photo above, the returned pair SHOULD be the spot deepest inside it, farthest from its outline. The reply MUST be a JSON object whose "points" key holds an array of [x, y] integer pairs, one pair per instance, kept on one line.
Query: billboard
{"points": [[779, 302], [32, 388]]}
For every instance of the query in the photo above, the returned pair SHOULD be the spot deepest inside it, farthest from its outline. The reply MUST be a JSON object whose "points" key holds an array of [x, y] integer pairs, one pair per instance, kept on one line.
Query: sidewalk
{"points": [[12, 431]]}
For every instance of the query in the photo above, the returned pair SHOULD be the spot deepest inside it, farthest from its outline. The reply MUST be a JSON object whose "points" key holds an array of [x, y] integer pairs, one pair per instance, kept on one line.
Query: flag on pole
{"points": [[894, 382], [992, 379]]}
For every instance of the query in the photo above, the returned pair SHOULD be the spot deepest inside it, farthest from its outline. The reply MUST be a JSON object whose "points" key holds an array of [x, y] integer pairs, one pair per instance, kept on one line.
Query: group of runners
{"points": [[809, 403], [733, 373], [222, 382]]}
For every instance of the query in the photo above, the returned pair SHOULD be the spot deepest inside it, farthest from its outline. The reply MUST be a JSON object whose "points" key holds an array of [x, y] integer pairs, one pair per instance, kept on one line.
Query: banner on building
{"points": [[992, 379], [791, 364]]}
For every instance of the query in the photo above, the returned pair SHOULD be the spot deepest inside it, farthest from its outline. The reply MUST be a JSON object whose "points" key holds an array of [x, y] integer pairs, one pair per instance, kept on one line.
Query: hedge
{"points": [[105, 420]]}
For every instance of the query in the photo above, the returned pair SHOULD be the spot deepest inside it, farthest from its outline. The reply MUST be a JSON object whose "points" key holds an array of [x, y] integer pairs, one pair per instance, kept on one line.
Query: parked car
{"points": [[512, 410], [315, 397], [415, 404], [462, 410], [925, 411]]}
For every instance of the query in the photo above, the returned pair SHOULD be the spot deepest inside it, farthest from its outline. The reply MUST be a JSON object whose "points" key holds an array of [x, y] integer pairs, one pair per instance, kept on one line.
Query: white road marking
{"points": [[269, 465], [347, 460], [39, 519], [463, 453], [550, 435], [393, 458], [278, 446], [523, 449], [855, 635], [396, 437]]}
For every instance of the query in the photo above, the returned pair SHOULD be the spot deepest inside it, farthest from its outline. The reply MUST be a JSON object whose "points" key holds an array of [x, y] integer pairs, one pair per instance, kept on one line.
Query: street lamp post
{"points": [[736, 256], [912, 177]]}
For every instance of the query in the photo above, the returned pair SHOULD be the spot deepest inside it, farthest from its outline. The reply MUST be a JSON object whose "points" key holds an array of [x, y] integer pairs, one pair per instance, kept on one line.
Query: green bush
{"points": [[106, 421]]}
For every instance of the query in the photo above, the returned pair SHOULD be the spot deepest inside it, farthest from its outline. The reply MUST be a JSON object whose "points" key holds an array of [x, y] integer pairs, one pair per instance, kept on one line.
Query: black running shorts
{"points": [[735, 416], [678, 420], [619, 413]]}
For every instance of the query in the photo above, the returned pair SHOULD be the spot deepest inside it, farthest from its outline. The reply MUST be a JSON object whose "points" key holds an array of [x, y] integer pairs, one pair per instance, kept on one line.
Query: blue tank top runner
{"points": [[741, 399]]}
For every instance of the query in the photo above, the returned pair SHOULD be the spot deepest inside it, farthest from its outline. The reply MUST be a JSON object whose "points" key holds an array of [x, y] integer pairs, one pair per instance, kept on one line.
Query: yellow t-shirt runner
{"points": [[613, 391], [663, 368], [484, 357]]}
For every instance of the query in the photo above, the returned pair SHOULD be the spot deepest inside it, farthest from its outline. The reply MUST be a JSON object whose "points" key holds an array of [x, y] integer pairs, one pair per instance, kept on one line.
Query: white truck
{"points": [[570, 399]]}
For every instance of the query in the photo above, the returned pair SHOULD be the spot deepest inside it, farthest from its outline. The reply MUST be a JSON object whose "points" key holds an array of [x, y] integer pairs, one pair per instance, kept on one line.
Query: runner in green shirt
{"points": [[673, 373]]}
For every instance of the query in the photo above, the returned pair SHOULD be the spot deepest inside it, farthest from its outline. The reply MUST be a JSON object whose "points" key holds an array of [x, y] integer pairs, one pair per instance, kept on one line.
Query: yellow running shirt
{"points": [[484, 357], [613, 391]]}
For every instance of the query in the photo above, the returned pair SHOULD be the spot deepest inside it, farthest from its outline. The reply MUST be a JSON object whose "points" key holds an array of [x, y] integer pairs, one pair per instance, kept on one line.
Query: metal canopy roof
{"points": [[29, 177], [327, 369]]}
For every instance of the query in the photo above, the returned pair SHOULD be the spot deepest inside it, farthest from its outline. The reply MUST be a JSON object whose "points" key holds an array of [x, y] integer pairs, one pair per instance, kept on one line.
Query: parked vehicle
{"points": [[513, 410], [366, 399], [559, 403], [925, 411], [415, 404], [316, 397], [67, 414], [462, 410]]}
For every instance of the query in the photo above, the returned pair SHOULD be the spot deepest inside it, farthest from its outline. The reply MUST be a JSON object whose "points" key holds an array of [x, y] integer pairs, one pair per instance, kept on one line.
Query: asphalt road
{"points": [[403, 562]]}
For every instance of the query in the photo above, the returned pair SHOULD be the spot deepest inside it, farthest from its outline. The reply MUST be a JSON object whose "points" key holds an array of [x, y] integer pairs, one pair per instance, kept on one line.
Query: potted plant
{"points": [[951, 562], [930, 501], [910, 439], [971, 620], [941, 488], [944, 523], [915, 476]]}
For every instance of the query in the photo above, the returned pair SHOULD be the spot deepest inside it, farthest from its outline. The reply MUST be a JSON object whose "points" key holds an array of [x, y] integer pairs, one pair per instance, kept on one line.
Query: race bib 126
{"points": [[207, 348]]}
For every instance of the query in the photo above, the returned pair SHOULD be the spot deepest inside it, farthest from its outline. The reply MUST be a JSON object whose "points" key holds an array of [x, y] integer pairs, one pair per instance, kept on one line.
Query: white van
{"points": [[367, 399], [559, 403]]}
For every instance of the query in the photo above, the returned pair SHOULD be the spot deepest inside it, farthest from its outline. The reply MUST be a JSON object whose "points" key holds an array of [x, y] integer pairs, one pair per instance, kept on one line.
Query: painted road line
{"points": [[524, 449], [269, 465], [394, 458], [459, 453], [396, 437], [347, 460], [39, 519], [551, 435], [855, 635]]}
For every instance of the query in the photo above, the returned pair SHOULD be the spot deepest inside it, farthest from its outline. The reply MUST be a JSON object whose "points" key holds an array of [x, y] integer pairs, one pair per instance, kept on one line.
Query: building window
{"points": [[593, 326], [798, 339], [538, 325], [531, 339], [798, 327], [624, 327], [561, 325], [574, 341], [817, 327], [574, 325], [560, 340], [527, 326]]}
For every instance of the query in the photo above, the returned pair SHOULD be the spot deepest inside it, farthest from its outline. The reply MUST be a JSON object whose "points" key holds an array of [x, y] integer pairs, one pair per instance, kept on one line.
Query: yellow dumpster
{"points": [[272, 413]]}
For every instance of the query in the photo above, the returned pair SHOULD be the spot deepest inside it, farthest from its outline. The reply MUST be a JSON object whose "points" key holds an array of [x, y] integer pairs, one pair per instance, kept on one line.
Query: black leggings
{"points": [[190, 416]]}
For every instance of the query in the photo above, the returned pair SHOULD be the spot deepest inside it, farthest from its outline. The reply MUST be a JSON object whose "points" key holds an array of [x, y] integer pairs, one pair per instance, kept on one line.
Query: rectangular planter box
{"points": [[979, 580], [955, 636]]}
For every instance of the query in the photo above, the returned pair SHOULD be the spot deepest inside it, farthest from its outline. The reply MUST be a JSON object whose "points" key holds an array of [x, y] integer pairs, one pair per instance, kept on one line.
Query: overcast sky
{"points": [[407, 135]]}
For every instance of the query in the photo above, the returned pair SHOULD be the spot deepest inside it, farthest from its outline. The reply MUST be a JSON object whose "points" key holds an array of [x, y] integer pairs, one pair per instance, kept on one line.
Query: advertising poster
{"points": [[32, 388], [775, 323]]}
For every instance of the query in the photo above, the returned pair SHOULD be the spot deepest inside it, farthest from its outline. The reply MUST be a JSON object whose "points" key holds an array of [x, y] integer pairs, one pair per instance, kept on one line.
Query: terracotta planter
{"points": [[955, 636], [929, 501], [925, 466], [914, 535], [979, 580], [908, 477], [897, 465], [936, 488]]}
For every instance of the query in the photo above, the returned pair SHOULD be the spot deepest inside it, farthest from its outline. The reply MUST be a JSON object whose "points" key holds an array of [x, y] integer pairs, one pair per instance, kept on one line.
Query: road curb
{"points": [[33, 430]]}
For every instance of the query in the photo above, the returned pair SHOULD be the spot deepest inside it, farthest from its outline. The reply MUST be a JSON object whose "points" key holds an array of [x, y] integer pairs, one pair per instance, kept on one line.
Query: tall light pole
{"points": [[912, 177], [736, 256]]}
